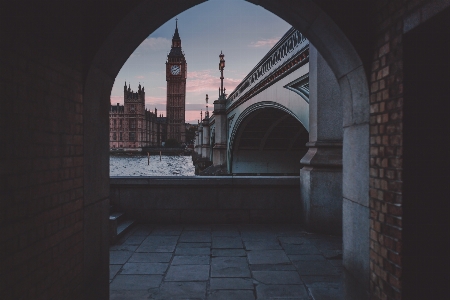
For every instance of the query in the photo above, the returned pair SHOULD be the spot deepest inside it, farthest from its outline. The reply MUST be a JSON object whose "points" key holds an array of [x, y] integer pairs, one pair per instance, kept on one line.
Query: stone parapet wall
{"points": [[219, 200]]}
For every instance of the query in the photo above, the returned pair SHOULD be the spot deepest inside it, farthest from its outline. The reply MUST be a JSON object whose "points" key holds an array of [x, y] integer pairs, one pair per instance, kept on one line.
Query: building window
{"points": [[120, 123], [114, 136], [132, 108], [132, 136], [132, 123], [120, 136], [114, 123]]}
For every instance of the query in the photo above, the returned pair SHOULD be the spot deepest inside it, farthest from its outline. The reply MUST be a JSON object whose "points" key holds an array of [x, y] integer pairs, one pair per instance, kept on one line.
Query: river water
{"points": [[137, 165]]}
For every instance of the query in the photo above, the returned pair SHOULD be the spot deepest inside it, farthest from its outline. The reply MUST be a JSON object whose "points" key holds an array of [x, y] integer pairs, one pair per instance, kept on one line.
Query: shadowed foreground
{"points": [[226, 262]]}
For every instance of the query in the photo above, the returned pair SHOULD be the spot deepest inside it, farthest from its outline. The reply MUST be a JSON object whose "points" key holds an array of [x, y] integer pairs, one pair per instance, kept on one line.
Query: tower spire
{"points": [[176, 35]]}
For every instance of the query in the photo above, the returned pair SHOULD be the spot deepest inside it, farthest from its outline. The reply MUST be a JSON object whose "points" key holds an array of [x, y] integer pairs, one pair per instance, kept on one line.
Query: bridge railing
{"points": [[208, 200], [288, 54]]}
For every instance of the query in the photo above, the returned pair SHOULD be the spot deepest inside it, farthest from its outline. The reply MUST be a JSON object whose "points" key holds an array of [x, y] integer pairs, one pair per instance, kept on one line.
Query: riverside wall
{"points": [[208, 199]]}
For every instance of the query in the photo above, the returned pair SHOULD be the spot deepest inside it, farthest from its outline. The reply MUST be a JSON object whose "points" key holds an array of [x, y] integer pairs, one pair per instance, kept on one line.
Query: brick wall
{"points": [[41, 157], [386, 145]]}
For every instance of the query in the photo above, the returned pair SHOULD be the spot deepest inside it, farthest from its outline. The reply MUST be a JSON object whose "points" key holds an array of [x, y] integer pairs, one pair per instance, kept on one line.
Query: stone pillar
{"points": [[321, 175], [200, 139], [196, 142], [205, 143], [220, 140]]}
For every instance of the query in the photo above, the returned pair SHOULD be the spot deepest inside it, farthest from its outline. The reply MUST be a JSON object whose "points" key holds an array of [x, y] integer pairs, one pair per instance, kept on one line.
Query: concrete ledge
{"points": [[208, 199], [206, 180]]}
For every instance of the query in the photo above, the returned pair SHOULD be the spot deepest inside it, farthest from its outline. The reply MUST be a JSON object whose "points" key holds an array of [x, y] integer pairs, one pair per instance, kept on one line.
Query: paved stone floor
{"points": [[230, 262]]}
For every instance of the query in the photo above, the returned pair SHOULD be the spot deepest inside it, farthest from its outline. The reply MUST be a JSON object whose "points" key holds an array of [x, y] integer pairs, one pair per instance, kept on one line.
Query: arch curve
{"points": [[267, 138], [306, 16]]}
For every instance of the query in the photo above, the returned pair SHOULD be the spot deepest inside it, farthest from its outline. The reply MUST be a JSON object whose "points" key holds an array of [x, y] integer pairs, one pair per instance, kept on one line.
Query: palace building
{"points": [[133, 126]]}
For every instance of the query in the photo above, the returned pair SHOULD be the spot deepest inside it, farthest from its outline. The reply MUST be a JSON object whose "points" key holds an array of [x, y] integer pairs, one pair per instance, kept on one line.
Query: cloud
{"points": [[269, 43], [139, 77], [152, 43], [155, 100], [207, 80]]}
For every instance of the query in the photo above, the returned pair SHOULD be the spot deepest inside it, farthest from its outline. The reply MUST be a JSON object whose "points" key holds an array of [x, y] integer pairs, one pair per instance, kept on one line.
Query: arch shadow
{"points": [[307, 17]]}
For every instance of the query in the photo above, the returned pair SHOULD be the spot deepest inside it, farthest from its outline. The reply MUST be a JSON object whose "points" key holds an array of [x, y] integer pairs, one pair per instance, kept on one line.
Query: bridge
{"points": [[262, 126], [282, 119]]}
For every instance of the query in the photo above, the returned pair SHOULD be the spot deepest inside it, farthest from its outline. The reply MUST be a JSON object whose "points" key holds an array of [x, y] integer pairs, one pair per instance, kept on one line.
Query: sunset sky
{"points": [[243, 31]]}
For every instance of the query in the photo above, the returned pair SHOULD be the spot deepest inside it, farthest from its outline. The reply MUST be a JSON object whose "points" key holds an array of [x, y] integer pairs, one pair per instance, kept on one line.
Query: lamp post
{"points": [[221, 67]]}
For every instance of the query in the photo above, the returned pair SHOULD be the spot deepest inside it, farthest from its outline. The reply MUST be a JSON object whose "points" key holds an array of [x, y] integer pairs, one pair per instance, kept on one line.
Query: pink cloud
{"points": [[205, 80], [139, 77], [155, 100], [116, 99], [269, 43]]}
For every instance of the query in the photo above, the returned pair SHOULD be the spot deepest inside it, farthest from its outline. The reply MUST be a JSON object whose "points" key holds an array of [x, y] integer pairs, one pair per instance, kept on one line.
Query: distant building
{"points": [[132, 126]]}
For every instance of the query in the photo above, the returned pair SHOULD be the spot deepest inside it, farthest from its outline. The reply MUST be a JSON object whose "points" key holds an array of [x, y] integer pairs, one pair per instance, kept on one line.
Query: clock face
{"points": [[175, 69]]}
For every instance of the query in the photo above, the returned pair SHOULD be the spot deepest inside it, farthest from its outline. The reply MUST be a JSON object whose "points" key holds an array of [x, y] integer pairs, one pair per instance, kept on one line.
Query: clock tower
{"points": [[176, 70]]}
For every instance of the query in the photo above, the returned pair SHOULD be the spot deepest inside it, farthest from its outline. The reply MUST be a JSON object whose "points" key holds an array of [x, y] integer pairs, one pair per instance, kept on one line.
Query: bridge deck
{"points": [[226, 262]]}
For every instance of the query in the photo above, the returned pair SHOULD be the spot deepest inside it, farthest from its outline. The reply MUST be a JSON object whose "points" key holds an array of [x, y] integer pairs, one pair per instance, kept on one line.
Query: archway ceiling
{"points": [[272, 129]]}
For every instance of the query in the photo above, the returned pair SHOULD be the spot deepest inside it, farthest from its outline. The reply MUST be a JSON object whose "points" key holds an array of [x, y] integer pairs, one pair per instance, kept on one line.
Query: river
{"points": [[137, 165]]}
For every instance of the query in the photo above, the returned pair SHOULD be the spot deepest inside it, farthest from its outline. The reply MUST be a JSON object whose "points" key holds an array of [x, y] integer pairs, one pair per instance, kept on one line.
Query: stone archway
{"points": [[323, 33], [282, 138]]}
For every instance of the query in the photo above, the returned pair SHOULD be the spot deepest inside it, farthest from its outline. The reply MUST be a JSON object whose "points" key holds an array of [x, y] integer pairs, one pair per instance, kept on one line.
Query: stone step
{"points": [[118, 226], [124, 227], [116, 217]]}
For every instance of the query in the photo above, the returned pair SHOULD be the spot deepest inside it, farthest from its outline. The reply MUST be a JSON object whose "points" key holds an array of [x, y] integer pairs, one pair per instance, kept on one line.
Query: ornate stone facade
{"points": [[131, 125], [176, 71]]}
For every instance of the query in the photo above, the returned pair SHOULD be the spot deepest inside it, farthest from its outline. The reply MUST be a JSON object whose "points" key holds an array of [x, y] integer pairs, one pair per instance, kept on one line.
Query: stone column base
{"points": [[219, 155], [321, 187]]}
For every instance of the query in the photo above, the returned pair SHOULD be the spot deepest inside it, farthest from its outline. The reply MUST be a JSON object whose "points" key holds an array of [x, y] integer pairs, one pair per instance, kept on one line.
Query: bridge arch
{"points": [[306, 16], [266, 138]]}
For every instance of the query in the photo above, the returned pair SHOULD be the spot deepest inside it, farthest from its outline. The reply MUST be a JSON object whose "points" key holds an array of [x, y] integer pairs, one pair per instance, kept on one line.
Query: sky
{"points": [[243, 31]]}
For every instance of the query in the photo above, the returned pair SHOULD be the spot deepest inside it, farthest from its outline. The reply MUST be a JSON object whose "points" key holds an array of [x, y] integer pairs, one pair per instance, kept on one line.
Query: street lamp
{"points": [[221, 67]]}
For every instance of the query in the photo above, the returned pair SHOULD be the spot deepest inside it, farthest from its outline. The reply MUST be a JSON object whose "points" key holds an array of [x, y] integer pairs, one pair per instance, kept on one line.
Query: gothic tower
{"points": [[176, 70], [134, 109]]}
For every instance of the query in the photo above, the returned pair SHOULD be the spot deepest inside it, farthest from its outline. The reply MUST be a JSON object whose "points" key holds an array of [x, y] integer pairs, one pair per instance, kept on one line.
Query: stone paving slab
{"points": [[119, 257], [267, 257], [231, 295], [191, 260], [134, 240], [193, 251], [144, 268], [193, 245], [231, 283], [225, 262], [229, 267], [151, 257], [277, 277], [281, 292], [315, 268], [124, 295], [179, 290], [113, 270], [262, 245], [307, 257], [135, 282], [229, 233], [228, 252], [196, 237], [124, 247], [280, 267], [188, 273], [226, 242]]}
